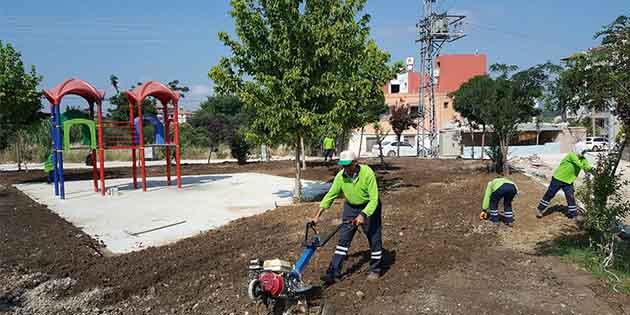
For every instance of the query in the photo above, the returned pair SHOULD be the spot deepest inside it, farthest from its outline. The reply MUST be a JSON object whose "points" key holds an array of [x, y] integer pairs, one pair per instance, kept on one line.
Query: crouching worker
{"points": [[563, 178], [497, 189], [362, 208]]}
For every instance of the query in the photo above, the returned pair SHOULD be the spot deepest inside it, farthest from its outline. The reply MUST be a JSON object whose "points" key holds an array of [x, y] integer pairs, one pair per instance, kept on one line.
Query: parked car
{"points": [[596, 144], [391, 147]]}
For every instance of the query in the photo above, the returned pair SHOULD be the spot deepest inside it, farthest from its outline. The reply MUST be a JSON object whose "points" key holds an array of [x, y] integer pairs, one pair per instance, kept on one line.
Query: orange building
{"points": [[451, 72]]}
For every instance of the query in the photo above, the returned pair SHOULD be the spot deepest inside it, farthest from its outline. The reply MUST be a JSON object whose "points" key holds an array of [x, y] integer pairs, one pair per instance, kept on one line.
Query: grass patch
{"points": [[578, 252]]}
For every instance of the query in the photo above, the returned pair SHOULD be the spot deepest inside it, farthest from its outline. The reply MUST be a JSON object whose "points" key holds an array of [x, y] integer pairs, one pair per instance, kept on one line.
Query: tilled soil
{"points": [[439, 258]]}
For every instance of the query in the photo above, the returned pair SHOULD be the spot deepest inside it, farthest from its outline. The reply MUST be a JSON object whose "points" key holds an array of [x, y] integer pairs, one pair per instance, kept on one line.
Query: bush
{"points": [[239, 148], [604, 206]]}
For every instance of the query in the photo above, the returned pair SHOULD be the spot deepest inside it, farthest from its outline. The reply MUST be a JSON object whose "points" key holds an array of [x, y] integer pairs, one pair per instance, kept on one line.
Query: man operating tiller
{"points": [[362, 208]]}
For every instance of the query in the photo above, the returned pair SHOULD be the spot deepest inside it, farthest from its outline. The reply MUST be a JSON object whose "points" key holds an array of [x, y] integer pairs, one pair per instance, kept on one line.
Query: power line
{"points": [[515, 35]]}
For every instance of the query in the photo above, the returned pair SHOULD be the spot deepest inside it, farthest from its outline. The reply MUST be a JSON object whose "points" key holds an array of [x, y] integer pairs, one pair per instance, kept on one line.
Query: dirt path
{"points": [[440, 258]]}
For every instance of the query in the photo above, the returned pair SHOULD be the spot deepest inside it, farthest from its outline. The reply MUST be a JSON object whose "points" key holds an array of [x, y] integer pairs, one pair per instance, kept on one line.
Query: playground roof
{"points": [[74, 87], [155, 89]]}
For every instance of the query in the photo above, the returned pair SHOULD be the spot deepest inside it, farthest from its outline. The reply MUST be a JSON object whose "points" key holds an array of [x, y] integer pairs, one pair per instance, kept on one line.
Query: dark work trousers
{"points": [[50, 178], [328, 154], [553, 189], [372, 229], [507, 192]]}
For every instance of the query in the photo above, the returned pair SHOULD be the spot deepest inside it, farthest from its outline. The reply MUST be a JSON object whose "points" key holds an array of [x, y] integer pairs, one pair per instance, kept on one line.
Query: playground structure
{"points": [[100, 134]]}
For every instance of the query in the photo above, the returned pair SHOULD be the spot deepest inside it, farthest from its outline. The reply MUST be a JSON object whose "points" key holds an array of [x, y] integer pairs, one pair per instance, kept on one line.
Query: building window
{"points": [[410, 139], [413, 109], [394, 88], [445, 105]]}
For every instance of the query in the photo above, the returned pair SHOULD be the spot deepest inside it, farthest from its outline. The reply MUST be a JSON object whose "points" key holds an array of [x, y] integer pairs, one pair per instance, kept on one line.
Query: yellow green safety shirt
{"points": [[48, 164], [329, 143], [493, 185], [570, 168], [358, 190]]}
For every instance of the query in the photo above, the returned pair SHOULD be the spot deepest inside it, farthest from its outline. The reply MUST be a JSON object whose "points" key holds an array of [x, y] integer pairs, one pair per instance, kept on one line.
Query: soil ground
{"points": [[439, 258]]}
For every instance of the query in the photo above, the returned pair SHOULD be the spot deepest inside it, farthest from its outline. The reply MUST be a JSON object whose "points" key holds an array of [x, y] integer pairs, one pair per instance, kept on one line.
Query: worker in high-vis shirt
{"points": [[497, 189], [362, 208], [329, 148], [563, 178]]}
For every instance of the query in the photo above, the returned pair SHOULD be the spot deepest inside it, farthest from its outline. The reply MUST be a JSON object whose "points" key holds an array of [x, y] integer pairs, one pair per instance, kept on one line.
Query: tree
{"points": [[504, 102], [225, 121], [301, 64], [401, 119], [515, 101], [602, 81], [471, 99], [381, 133], [20, 102]]}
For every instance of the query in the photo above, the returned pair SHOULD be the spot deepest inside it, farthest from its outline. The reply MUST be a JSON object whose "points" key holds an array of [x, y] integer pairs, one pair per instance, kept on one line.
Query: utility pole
{"points": [[434, 30]]}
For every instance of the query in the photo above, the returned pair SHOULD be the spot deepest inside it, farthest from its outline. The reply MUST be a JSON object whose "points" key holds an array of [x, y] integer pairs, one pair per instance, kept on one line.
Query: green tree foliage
{"points": [[20, 102], [301, 64], [471, 100], [224, 120], [602, 82], [401, 119], [504, 102]]}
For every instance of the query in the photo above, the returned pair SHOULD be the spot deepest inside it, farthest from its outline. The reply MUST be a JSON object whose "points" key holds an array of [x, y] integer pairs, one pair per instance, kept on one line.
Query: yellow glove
{"points": [[483, 216]]}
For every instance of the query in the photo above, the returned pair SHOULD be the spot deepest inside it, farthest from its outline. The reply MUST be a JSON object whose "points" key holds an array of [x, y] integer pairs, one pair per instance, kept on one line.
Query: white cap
{"points": [[346, 158]]}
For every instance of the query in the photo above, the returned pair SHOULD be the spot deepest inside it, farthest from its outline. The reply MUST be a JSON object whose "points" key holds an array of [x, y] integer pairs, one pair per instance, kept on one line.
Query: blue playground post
{"points": [[60, 152], [54, 148]]}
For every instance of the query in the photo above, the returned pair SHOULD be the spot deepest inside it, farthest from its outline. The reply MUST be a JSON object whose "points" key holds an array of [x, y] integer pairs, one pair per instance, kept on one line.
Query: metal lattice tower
{"points": [[434, 30]]}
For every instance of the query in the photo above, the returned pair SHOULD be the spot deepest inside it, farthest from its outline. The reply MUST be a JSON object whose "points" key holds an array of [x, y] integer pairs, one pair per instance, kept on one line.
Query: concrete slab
{"points": [[132, 220]]}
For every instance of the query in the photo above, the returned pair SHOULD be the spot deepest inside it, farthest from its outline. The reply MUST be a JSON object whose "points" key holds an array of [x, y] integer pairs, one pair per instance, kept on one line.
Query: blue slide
{"points": [[158, 128]]}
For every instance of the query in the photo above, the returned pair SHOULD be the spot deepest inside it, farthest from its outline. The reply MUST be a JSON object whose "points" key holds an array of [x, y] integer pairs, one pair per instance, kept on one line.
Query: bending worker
{"points": [[362, 208], [563, 178], [497, 189]]}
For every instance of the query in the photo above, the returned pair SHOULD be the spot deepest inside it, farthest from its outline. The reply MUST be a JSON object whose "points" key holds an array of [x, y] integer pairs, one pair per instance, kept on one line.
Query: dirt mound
{"points": [[439, 259]]}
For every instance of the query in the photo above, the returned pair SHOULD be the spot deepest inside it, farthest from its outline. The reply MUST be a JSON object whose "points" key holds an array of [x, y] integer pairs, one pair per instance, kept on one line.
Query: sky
{"points": [[165, 40]]}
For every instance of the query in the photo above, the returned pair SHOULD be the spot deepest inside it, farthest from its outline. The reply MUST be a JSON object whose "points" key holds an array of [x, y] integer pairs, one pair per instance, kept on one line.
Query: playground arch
{"points": [[165, 96], [55, 95], [110, 134]]}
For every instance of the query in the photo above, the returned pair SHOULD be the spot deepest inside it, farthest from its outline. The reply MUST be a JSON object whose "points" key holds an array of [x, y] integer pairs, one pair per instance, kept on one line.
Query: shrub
{"points": [[239, 148], [604, 205]]}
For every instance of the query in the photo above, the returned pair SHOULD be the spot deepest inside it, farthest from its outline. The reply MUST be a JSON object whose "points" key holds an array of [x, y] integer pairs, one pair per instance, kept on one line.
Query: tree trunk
{"points": [[297, 188], [18, 152], [593, 125], [380, 150], [360, 143], [622, 147], [483, 141], [209, 153], [504, 156], [563, 115], [303, 152], [398, 145], [472, 143], [537, 137], [461, 144]]}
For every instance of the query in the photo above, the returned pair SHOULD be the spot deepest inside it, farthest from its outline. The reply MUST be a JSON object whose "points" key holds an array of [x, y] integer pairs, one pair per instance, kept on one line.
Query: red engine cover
{"points": [[271, 283]]}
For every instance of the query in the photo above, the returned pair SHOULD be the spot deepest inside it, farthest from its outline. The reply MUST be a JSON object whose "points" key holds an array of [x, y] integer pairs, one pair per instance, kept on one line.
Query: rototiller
{"points": [[278, 287]]}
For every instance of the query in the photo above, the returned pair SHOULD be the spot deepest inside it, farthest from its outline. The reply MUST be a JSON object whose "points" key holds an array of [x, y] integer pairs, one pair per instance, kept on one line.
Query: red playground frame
{"points": [[115, 135]]}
